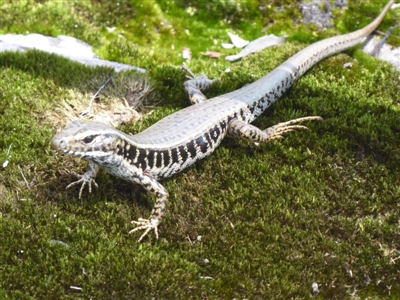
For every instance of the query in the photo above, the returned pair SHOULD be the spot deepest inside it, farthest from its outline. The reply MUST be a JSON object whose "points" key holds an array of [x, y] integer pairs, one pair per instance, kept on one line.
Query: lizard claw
{"points": [[147, 225], [85, 179]]}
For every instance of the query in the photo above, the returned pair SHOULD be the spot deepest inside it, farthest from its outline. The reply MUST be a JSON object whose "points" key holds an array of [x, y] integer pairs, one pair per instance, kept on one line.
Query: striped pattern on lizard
{"points": [[179, 140]]}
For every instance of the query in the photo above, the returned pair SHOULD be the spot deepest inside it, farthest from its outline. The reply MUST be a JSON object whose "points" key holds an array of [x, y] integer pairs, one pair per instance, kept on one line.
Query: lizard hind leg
{"points": [[195, 84], [159, 209], [248, 132]]}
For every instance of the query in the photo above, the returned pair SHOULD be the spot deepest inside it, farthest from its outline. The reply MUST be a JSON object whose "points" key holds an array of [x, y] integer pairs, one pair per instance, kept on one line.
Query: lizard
{"points": [[179, 140]]}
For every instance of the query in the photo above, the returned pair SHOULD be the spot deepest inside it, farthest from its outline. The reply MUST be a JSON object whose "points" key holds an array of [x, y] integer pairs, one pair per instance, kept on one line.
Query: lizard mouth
{"points": [[62, 141], [62, 144], [59, 143]]}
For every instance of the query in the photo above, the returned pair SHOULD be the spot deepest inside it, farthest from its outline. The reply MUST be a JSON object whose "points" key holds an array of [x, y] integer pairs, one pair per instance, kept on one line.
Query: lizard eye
{"points": [[88, 139]]}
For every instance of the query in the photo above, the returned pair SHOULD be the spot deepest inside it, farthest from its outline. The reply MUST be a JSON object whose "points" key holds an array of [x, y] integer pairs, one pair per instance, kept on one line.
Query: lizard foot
{"points": [[85, 179], [147, 225], [277, 131]]}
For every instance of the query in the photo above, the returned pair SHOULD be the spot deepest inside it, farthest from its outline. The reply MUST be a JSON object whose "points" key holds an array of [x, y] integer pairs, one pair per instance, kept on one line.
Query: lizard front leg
{"points": [[248, 132], [158, 212], [86, 179], [195, 84]]}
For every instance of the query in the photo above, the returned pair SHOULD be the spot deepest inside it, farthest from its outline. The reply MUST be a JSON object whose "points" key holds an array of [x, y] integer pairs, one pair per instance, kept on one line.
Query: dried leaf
{"points": [[237, 41], [227, 46], [213, 54], [257, 45]]}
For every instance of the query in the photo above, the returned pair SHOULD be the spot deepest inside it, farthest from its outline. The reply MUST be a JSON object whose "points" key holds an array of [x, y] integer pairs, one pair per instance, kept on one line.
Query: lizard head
{"points": [[88, 140]]}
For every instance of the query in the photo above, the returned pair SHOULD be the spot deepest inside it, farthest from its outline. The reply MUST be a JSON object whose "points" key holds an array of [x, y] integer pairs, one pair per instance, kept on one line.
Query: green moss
{"points": [[248, 222]]}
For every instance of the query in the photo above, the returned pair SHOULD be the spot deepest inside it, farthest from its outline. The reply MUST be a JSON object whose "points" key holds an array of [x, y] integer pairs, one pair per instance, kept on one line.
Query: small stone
{"points": [[315, 289]]}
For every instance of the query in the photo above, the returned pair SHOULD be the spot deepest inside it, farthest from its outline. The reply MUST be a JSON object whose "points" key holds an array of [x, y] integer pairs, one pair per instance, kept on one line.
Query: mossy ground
{"points": [[320, 206]]}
